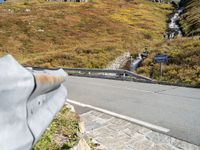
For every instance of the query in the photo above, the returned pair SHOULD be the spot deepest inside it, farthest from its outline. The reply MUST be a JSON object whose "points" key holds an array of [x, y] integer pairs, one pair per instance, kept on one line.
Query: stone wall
{"points": [[120, 62]]}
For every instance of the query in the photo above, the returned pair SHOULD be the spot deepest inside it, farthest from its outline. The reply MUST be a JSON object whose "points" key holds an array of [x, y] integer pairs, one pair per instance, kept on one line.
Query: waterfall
{"points": [[173, 26], [137, 62]]}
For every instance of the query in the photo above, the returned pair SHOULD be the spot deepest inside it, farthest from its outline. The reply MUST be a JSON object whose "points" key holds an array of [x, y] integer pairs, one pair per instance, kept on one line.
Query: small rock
{"points": [[60, 139], [98, 146], [27, 10], [82, 127], [40, 30], [82, 145], [70, 107], [95, 143]]}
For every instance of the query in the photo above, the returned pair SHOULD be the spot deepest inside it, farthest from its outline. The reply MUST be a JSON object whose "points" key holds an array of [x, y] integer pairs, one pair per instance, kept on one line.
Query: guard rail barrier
{"points": [[29, 100]]}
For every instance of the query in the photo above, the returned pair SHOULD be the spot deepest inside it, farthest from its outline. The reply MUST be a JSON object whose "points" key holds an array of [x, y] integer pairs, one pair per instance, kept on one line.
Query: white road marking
{"points": [[140, 122]]}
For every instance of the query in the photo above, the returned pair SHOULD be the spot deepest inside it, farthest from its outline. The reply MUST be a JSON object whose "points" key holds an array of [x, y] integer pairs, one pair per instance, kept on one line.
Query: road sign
{"points": [[160, 58]]}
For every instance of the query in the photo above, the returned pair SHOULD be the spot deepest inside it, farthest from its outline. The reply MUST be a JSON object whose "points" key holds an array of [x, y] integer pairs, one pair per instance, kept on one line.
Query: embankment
{"points": [[190, 20]]}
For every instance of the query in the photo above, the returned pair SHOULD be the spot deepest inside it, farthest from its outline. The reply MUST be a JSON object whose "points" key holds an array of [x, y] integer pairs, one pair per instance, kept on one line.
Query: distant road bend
{"points": [[170, 107]]}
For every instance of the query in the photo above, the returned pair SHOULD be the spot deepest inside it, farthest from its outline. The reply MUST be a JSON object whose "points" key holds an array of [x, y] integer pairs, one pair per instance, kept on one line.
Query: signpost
{"points": [[161, 59]]}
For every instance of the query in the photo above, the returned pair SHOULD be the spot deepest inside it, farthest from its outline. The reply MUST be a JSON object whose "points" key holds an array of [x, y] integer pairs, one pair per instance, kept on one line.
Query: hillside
{"points": [[184, 52], [190, 20], [93, 34], [79, 34], [183, 66]]}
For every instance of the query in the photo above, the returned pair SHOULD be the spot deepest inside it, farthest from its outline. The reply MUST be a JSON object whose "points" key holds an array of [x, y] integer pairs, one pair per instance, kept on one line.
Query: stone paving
{"points": [[111, 133]]}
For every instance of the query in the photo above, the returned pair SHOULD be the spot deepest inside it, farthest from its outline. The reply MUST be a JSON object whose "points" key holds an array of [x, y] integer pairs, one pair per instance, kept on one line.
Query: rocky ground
{"points": [[120, 61]]}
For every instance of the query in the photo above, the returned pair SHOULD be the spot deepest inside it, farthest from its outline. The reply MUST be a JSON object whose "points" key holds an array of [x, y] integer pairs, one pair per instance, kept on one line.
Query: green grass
{"points": [[61, 133]]}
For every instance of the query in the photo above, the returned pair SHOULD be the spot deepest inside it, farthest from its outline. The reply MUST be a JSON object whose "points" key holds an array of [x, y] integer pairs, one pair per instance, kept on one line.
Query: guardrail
{"points": [[29, 100], [102, 73], [114, 75]]}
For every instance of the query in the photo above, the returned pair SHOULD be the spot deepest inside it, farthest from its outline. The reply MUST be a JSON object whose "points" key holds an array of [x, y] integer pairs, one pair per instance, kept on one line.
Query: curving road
{"points": [[170, 107]]}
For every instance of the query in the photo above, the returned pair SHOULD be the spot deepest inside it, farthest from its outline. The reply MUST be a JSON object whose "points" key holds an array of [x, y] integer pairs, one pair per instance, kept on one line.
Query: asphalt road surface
{"points": [[171, 107]]}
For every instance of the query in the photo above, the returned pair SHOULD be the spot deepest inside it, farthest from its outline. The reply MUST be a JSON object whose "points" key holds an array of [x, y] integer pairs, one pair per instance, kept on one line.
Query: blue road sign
{"points": [[160, 58]]}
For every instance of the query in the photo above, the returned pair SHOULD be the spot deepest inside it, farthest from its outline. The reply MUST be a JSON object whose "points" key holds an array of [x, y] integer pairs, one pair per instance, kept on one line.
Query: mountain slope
{"points": [[79, 34], [190, 20], [91, 35]]}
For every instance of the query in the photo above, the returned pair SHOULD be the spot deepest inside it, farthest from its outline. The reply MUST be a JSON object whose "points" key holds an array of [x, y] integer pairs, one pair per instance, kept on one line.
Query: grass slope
{"points": [[190, 20], [93, 34], [61, 133], [183, 66], [79, 34]]}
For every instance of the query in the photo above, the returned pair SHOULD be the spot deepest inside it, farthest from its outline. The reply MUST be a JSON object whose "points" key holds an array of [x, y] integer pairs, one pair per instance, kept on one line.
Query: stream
{"points": [[174, 28]]}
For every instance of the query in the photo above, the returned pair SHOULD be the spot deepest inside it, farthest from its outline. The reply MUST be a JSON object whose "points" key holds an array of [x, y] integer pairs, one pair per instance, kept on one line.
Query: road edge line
{"points": [[133, 120]]}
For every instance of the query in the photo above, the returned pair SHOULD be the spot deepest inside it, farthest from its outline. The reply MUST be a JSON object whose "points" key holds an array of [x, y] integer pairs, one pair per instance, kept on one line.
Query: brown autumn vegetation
{"points": [[190, 19], [184, 64], [79, 34], [92, 34]]}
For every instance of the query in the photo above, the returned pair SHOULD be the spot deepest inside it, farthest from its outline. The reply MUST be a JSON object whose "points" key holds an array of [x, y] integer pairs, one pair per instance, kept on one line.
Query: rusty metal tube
{"points": [[47, 82]]}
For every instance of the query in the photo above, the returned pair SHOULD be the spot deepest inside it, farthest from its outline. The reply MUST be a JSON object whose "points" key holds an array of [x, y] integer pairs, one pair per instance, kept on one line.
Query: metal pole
{"points": [[151, 73], [161, 69]]}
